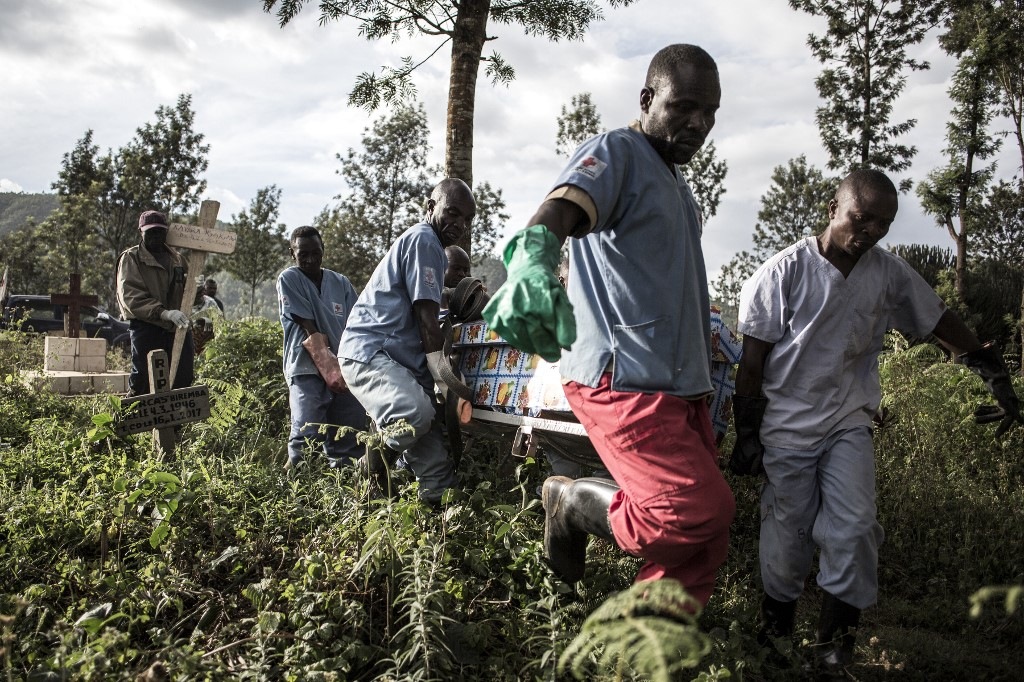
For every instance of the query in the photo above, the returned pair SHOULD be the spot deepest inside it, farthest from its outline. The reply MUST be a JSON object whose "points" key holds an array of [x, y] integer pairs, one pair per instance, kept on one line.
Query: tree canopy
{"points": [[705, 173], [864, 49], [463, 24], [262, 247], [953, 193], [576, 124], [100, 197], [795, 206], [388, 183]]}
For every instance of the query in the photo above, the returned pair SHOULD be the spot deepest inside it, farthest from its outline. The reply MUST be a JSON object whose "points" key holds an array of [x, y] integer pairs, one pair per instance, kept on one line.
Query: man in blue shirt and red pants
{"points": [[637, 373]]}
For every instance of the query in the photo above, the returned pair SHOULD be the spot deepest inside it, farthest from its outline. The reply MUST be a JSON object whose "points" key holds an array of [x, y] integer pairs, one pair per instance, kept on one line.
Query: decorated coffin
{"points": [[504, 377]]}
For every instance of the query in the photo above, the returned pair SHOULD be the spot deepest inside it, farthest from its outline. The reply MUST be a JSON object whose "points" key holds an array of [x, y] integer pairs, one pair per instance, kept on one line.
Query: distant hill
{"points": [[17, 208]]}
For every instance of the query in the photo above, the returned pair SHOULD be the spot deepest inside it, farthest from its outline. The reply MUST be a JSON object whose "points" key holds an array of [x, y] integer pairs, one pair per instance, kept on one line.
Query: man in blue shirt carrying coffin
{"points": [[631, 333]]}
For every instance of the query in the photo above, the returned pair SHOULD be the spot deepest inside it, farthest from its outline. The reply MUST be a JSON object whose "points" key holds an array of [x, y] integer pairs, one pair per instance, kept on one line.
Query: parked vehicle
{"points": [[36, 313]]}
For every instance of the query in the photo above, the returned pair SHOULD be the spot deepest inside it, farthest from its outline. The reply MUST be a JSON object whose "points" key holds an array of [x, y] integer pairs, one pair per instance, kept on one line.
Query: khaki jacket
{"points": [[145, 289]]}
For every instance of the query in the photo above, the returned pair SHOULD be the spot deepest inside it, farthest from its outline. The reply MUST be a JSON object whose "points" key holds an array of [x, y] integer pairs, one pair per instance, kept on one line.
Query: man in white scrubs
{"points": [[813, 319]]}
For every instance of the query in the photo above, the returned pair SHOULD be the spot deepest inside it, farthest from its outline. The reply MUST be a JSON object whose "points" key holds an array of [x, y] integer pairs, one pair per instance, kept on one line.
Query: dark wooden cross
{"points": [[164, 408], [74, 301]]}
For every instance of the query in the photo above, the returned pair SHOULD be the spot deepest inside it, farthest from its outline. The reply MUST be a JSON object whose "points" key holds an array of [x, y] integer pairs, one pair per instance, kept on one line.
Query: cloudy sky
{"points": [[272, 101]]}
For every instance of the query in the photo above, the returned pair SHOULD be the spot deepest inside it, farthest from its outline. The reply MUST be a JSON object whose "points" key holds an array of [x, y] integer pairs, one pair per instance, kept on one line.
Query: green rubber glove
{"points": [[531, 310]]}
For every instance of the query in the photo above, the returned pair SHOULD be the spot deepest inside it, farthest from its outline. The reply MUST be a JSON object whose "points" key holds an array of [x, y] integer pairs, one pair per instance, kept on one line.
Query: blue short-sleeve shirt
{"points": [[637, 284], [383, 317], [328, 307]]}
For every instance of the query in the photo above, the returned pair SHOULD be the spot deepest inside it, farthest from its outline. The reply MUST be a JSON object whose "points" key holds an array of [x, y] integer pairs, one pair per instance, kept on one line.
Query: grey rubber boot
{"points": [[574, 510]]}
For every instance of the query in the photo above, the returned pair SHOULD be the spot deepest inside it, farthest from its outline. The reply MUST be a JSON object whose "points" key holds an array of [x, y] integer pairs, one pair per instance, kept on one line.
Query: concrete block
{"points": [[93, 364], [61, 345], [60, 383], [79, 383], [110, 382], [92, 347], [57, 382], [59, 353], [59, 363]]}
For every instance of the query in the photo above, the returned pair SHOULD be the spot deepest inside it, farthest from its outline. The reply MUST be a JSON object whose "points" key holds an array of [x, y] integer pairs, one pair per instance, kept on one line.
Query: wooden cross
{"points": [[164, 408], [200, 239], [3, 285], [74, 301]]}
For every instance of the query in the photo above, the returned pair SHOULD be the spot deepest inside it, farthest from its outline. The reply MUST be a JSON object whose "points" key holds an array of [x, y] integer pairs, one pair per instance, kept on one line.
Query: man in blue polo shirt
{"points": [[638, 372], [315, 300], [392, 350]]}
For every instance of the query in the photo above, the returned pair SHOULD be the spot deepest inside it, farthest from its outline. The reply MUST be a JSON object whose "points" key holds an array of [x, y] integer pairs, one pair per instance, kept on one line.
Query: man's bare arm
{"points": [[426, 313], [560, 216], [750, 375], [306, 324], [951, 331]]}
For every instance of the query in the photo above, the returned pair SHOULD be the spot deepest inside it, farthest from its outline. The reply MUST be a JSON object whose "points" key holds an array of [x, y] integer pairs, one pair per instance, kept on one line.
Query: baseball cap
{"points": [[150, 219]]}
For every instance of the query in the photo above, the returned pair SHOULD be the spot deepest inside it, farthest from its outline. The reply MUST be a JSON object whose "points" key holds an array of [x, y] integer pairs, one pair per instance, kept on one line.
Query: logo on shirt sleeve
{"points": [[284, 300], [430, 277], [339, 309], [590, 167]]}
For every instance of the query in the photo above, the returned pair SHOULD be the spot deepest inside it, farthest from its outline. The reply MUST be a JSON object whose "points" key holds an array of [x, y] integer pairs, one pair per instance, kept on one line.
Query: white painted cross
{"points": [[200, 239]]}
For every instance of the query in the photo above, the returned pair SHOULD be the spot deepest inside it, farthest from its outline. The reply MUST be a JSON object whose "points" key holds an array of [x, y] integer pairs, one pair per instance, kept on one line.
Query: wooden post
{"points": [[164, 408], [200, 240], [74, 301], [159, 383]]}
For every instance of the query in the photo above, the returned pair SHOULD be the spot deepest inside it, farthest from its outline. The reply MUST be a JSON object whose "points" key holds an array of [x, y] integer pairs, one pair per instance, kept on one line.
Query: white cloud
{"points": [[230, 203], [9, 186], [272, 101]]}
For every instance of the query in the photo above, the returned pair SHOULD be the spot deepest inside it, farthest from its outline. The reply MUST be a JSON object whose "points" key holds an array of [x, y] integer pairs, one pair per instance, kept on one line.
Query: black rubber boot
{"points": [[837, 632], [574, 509], [777, 618], [375, 465]]}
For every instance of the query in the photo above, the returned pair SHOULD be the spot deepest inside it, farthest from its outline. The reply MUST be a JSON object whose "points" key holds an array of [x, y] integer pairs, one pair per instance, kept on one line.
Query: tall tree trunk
{"points": [[961, 263], [467, 47], [960, 239], [865, 134]]}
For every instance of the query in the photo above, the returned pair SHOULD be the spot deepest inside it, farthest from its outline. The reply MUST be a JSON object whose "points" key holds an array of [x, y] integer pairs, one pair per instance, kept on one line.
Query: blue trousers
{"points": [[390, 392], [146, 337], [822, 498], [312, 405]]}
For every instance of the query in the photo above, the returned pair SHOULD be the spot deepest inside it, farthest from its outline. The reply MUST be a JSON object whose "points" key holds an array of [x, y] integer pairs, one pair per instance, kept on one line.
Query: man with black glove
{"points": [[813, 319], [392, 353], [150, 285]]}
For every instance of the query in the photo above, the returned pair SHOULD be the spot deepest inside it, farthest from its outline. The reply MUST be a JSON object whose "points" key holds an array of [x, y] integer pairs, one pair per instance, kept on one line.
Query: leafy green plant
{"points": [[220, 566], [247, 354], [1012, 595], [650, 629]]}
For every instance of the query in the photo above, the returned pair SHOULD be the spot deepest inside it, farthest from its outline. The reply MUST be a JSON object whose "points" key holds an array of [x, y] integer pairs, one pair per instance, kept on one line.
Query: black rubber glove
{"points": [[987, 363], [747, 413]]}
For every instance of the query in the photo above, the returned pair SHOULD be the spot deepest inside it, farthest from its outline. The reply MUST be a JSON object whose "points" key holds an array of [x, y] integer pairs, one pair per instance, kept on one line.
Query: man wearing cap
{"points": [[150, 285]]}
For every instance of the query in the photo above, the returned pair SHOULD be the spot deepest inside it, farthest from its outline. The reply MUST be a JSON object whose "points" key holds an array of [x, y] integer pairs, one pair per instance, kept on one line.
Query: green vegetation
{"points": [[17, 208], [218, 565]]}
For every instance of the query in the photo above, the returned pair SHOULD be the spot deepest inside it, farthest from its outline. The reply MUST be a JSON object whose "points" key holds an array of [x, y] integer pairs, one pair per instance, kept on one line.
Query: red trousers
{"points": [[674, 507]]}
